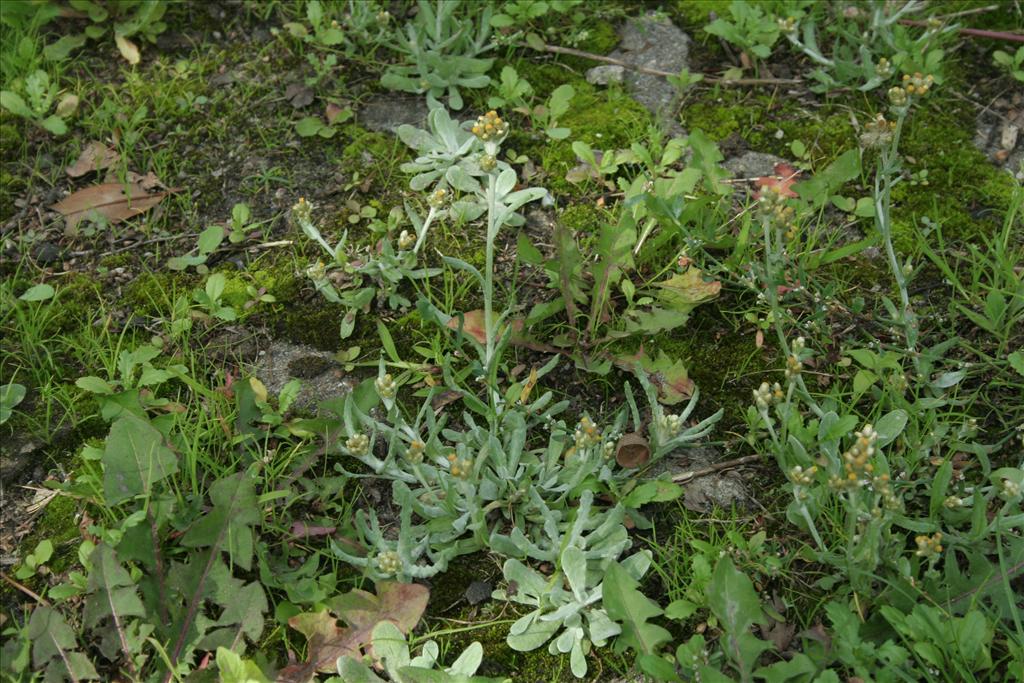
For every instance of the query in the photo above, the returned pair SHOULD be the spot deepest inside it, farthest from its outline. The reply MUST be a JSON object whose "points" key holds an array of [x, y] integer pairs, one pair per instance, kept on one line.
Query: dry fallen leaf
{"points": [[299, 94], [95, 157], [114, 201], [400, 603], [128, 49]]}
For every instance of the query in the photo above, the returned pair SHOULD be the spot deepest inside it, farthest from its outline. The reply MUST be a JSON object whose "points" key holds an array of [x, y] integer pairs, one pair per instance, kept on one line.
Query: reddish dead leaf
{"points": [[303, 530], [95, 157], [472, 323], [333, 111], [783, 181], [113, 201], [400, 603]]}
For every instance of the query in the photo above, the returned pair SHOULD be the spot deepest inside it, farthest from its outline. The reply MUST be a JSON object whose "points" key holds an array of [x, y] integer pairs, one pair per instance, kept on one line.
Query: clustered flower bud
{"points": [[406, 240], [856, 467], [459, 467], [389, 562], [929, 546], [437, 198], [316, 271], [918, 84], [587, 434], [882, 486], [801, 477], [415, 452], [490, 127], [1009, 489], [765, 395], [670, 424], [358, 444], [897, 96], [385, 386], [787, 25], [953, 502], [303, 210], [877, 132], [488, 162], [884, 68], [793, 367], [775, 208]]}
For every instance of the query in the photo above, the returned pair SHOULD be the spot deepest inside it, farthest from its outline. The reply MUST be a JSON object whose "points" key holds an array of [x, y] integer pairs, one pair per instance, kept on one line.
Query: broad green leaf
{"points": [[890, 425], [60, 49], [13, 102], [210, 239], [732, 598], [10, 396], [40, 292], [1016, 360], [632, 609], [112, 591], [309, 126], [228, 526], [134, 459], [233, 669], [53, 645]]}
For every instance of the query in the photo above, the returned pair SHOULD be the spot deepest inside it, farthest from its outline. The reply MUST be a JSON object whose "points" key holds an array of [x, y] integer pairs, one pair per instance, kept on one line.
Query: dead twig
{"points": [[975, 32], [558, 49], [26, 590], [684, 477]]}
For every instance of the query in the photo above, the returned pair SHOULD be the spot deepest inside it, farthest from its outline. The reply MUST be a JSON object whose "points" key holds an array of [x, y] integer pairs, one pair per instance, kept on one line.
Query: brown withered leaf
{"points": [[303, 530], [114, 201], [95, 157], [400, 603], [444, 398], [299, 94]]}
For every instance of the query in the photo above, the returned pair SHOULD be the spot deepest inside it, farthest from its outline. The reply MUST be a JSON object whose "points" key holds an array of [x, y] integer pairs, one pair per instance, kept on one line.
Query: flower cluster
{"points": [[385, 386], [803, 477], [488, 162], [389, 562], [490, 127], [415, 452], [929, 546], [670, 424], [303, 210], [787, 25], [358, 444], [1009, 489], [775, 209], [587, 434], [883, 487], [459, 467], [856, 466], [437, 198], [917, 84], [897, 96]]}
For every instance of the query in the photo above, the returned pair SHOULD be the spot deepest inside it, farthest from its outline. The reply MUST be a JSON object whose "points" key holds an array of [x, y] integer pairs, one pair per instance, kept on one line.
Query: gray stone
{"points": [[478, 591], [46, 252], [721, 489], [387, 112], [1001, 140], [654, 43], [605, 74], [321, 376], [753, 165]]}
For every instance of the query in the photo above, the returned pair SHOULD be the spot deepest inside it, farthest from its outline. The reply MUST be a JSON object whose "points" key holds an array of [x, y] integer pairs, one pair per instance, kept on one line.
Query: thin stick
{"points": [[558, 49], [976, 32], [684, 477], [26, 590]]}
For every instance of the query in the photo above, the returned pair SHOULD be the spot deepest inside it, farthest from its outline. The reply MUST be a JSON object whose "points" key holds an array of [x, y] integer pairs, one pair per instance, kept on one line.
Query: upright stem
{"points": [[489, 325]]}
